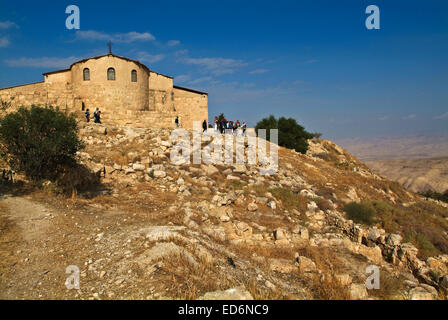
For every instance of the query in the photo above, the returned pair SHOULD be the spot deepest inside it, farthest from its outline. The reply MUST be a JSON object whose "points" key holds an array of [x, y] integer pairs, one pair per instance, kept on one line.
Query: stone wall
{"points": [[190, 106], [116, 98]]}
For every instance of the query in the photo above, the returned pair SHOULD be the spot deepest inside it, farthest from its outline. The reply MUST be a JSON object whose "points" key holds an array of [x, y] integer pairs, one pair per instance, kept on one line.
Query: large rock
{"points": [[444, 282], [237, 293], [252, 207], [306, 265], [312, 207], [302, 232], [138, 167], [282, 266], [393, 239], [373, 254], [419, 293], [358, 291], [279, 234], [239, 168], [209, 169], [159, 174]]}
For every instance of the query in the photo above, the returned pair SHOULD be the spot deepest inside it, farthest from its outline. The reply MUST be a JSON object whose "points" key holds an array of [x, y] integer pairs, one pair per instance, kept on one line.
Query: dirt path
{"points": [[24, 238]]}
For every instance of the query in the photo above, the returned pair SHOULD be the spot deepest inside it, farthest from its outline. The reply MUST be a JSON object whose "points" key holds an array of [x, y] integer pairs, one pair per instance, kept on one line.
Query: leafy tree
{"points": [[221, 117], [41, 142], [290, 134]]}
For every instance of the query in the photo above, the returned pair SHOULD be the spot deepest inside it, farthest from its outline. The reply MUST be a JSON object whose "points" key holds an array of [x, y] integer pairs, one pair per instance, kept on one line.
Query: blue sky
{"points": [[311, 60]]}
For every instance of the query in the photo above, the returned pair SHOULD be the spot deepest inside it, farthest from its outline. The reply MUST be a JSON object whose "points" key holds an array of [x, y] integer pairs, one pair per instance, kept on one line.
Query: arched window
{"points": [[111, 74], [134, 75], [86, 74]]}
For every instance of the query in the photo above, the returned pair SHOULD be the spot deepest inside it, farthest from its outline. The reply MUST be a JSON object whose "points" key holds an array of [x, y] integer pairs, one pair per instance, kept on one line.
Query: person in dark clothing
{"points": [[204, 126], [223, 126], [97, 116], [87, 115], [176, 122]]}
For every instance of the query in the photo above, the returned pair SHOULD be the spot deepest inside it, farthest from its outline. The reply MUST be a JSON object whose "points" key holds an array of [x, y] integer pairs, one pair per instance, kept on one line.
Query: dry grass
{"points": [[289, 200], [259, 292], [326, 286], [187, 281], [422, 224], [390, 287]]}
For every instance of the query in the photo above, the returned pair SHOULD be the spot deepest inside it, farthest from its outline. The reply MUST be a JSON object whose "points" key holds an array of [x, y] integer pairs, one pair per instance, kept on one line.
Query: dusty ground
{"points": [[39, 240]]}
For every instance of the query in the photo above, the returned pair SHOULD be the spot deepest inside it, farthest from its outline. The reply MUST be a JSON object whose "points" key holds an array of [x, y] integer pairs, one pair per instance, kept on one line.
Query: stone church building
{"points": [[126, 91]]}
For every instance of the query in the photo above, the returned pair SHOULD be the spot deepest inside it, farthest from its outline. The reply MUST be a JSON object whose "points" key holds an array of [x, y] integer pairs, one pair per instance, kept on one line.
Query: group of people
{"points": [[96, 115], [230, 127]]}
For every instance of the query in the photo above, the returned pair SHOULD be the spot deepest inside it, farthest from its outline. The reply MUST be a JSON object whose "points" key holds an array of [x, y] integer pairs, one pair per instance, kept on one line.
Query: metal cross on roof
{"points": [[109, 44]]}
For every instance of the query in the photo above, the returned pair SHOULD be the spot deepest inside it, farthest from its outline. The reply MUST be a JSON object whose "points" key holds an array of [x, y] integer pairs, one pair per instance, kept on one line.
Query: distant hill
{"points": [[409, 147], [415, 174], [418, 163]]}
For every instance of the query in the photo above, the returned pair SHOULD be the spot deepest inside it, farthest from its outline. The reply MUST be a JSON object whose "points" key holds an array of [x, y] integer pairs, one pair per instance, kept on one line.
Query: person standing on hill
{"points": [[97, 117], [87, 115], [176, 122], [204, 126]]}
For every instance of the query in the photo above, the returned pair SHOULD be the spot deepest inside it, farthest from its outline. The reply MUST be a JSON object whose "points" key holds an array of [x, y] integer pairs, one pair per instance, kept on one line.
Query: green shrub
{"points": [[360, 213], [40, 142], [381, 206], [291, 135], [436, 195], [425, 247]]}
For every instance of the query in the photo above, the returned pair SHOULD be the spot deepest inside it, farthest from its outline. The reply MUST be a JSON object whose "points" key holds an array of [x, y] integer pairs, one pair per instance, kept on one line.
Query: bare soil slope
{"points": [[155, 230]]}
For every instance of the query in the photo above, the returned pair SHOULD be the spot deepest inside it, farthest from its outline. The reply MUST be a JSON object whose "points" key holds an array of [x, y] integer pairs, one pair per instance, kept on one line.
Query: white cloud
{"points": [[128, 37], [42, 62], [173, 43], [199, 80], [149, 58], [259, 71], [180, 53], [384, 118], [410, 116], [442, 116], [217, 66], [8, 25], [4, 42], [183, 78]]}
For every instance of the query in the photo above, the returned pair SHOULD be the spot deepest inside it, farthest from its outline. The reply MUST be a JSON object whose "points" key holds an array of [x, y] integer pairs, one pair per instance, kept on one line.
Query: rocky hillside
{"points": [[154, 230]]}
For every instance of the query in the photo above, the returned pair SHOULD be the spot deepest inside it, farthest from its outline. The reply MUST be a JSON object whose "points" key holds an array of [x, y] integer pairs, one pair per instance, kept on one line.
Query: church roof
{"points": [[190, 90], [127, 59], [115, 56]]}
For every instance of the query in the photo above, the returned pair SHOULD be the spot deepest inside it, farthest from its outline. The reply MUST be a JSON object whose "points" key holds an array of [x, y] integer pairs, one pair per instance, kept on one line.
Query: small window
{"points": [[134, 76], [111, 74], [86, 74]]}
